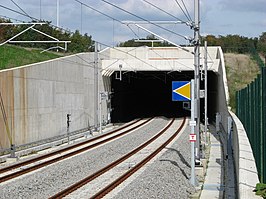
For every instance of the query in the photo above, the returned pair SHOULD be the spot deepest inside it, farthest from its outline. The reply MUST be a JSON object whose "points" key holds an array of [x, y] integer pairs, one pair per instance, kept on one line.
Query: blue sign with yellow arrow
{"points": [[181, 91]]}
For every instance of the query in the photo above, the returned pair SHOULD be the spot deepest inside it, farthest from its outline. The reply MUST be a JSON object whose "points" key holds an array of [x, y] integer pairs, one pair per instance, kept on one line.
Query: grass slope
{"points": [[13, 56], [241, 70]]}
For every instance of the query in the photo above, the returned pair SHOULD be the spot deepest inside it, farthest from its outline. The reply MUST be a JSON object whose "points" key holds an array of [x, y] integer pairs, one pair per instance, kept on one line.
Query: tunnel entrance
{"points": [[147, 94]]}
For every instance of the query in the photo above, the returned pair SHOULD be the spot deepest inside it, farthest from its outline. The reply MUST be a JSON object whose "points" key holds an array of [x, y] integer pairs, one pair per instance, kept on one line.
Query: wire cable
{"points": [[35, 19], [108, 17], [21, 9], [182, 9], [121, 22], [100, 12], [133, 31], [143, 19], [10, 9], [186, 10], [163, 10]]}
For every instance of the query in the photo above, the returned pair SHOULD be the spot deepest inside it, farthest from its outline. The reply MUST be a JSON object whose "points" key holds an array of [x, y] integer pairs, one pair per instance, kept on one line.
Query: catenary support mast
{"points": [[196, 73]]}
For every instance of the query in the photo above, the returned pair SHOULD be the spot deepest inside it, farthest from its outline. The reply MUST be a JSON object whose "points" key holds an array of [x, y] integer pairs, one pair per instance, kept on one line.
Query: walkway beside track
{"points": [[214, 185]]}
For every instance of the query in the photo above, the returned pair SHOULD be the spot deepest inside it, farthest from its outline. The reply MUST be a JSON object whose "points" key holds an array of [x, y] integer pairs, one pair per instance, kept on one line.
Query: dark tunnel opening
{"points": [[148, 94]]}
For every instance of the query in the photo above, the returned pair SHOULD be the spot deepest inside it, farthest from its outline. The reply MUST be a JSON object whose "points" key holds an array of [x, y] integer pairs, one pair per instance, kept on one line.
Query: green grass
{"points": [[13, 56]]}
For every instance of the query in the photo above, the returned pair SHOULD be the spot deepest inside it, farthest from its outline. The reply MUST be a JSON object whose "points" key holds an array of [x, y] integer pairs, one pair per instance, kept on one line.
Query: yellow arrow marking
{"points": [[184, 90]]}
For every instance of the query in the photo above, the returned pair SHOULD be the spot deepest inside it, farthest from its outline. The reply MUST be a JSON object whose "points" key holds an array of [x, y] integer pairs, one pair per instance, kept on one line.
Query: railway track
{"points": [[127, 174], [26, 164]]}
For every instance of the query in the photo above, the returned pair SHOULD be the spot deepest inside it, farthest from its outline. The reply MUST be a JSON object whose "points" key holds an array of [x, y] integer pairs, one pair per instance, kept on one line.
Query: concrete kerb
{"points": [[213, 185]]}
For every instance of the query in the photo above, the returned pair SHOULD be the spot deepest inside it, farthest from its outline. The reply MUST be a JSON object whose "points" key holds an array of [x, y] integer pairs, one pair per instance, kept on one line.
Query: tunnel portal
{"points": [[144, 94]]}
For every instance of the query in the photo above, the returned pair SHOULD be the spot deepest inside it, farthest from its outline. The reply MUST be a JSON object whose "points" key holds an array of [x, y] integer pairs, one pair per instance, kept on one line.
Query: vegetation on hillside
{"points": [[237, 67], [14, 56], [242, 59]]}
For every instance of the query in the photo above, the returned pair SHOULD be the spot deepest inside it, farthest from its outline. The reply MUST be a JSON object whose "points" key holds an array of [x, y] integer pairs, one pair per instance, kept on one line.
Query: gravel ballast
{"points": [[50, 180], [167, 177]]}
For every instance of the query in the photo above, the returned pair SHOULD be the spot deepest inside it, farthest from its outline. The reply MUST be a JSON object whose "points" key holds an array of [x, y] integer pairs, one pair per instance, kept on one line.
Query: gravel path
{"points": [[167, 177], [50, 180]]}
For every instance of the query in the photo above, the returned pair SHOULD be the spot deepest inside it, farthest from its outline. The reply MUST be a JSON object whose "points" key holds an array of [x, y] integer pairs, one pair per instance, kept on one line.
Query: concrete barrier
{"points": [[246, 170]]}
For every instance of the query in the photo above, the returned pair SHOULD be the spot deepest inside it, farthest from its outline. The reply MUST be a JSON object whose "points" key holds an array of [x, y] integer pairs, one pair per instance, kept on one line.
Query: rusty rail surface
{"points": [[103, 192], [35, 167]]}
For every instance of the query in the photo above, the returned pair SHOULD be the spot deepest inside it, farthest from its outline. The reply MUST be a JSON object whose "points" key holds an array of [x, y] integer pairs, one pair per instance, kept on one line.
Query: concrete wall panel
{"points": [[7, 87], [38, 97]]}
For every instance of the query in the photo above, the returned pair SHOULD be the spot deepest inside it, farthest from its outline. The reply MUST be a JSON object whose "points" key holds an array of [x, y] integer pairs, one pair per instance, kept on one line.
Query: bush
{"points": [[261, 189]]}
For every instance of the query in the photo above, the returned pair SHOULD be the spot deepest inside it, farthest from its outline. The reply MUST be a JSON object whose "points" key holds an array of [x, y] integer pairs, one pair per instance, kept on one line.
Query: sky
{"points": [[217, 17]]}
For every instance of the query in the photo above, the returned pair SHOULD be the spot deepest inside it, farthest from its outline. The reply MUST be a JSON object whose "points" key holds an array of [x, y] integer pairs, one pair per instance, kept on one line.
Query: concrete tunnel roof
{"points": [[154, 59]]}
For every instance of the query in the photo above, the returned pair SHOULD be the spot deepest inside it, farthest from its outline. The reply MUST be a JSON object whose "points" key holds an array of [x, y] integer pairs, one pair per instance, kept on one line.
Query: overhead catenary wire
{"points": [[182, 10], [121, 22], [21, 9], [98, 11], [186, 10], [133, 31], [86, 5], [32, 18], [15, 11], [141, 18], [82, 3], [153, 5], [117, 21]]}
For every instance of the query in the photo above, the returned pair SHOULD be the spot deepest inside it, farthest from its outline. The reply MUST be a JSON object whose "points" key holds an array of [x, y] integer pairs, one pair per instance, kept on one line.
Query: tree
{"points": [[79, 43], [262, 44], [133, 43], [233, 43]]}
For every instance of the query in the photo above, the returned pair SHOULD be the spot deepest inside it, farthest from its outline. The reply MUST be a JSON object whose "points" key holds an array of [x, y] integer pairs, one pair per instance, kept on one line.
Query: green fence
{"points": [[251, 110]]}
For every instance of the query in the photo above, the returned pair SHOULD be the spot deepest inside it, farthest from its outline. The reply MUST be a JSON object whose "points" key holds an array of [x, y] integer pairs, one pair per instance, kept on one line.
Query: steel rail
{"points": [[35, 167], [11, 167], [121, 179], [93, 176]]}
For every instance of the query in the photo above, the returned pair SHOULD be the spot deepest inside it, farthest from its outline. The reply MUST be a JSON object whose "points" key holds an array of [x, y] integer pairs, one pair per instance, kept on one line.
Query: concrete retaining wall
{"points": [[223, 94], [245, 166], [38, 97], [247, 175]]}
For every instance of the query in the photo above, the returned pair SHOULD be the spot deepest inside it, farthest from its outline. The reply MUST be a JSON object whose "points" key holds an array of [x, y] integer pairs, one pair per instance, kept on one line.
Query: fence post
{"points": [[261, 126], [263, 178]]}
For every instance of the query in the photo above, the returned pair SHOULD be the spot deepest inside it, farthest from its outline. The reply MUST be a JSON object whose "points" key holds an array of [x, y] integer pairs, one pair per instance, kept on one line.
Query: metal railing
{"points": [[251, 110]]}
